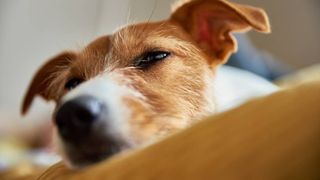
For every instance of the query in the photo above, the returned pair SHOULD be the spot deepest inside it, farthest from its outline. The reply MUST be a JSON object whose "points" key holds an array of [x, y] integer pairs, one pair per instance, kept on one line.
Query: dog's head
{"points": [[142, 82]]}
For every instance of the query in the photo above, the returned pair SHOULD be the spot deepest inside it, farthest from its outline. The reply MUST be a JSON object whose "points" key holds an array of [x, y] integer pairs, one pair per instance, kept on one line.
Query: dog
{"points": [[143, 82]]}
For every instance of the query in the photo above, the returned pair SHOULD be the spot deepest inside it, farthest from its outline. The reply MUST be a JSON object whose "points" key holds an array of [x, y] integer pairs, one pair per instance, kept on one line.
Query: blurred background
{"points": [[31, 31]]}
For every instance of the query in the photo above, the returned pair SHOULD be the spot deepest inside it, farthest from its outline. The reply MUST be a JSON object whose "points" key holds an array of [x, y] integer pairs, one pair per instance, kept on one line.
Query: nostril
{"points": [[87, 111], [77, 115]]}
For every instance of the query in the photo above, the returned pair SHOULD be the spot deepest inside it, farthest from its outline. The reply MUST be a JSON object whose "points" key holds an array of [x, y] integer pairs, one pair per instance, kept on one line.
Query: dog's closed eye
{"points": [[150, 58], [73, 83]]}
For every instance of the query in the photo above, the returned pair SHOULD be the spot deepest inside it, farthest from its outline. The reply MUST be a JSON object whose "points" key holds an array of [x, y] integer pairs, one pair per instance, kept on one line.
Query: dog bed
{"points": [[274, 137]]}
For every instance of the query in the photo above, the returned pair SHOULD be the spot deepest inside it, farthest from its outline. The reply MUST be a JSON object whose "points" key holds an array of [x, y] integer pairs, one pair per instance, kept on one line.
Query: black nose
{"points": [[76, 117]]}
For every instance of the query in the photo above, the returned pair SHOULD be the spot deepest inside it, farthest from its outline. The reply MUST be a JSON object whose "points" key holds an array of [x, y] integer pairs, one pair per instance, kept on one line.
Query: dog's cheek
{"points": [[148, 125], [142, 127]]}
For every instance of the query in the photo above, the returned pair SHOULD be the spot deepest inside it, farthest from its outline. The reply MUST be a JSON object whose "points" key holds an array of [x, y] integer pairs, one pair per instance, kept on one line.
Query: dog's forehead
{"points": [[101, 45], [120, 49], [134, 39], [129, 35]]}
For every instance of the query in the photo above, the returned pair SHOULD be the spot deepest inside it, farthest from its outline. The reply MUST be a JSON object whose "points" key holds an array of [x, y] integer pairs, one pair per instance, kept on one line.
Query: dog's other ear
{"points": [[210, 23], [44, 76]]}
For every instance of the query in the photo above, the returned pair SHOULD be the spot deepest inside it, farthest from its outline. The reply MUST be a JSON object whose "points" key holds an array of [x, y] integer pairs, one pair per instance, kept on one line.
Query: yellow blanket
{"points": [[275, 137]]}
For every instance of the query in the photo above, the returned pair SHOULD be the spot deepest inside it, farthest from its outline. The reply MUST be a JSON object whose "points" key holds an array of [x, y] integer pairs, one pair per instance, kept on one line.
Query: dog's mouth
{"points": [[90, 151]]}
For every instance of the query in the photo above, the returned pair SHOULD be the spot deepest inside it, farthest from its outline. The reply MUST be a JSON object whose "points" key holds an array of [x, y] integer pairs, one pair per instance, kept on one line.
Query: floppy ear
{"points": [[210, 23], [44, 76]]}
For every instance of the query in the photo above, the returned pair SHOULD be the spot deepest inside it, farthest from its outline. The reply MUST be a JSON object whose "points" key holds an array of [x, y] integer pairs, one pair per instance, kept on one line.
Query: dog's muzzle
{"points": [[92, 121], [82, 127], [76, 118]]}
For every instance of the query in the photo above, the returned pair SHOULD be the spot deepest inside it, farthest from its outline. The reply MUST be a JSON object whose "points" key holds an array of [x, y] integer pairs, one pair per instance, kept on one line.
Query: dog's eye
{"points": [[72, 83], [150, 58]]}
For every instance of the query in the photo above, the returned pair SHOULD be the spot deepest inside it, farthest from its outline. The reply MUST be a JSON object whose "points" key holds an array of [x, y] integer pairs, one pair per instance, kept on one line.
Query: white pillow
{"points": [[234, 86]]}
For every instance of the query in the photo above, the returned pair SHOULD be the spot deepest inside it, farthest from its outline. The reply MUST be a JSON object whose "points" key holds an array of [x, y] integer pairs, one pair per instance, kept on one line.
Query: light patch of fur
{"points": [[109, 88], [210, 107], [182, 47], [124, 37]]}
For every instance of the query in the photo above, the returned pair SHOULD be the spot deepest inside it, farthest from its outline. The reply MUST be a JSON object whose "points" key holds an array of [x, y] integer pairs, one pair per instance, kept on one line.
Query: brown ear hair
{"points": [[43, 78], [210, 23]]}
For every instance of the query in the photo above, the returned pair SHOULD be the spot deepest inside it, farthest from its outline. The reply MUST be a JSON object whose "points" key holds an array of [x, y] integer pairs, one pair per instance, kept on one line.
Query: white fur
{"points": [[105, 88], [234, 86]]}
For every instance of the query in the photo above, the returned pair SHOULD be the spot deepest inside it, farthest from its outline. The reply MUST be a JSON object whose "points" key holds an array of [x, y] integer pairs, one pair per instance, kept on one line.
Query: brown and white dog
{"points": [[143, 82]]}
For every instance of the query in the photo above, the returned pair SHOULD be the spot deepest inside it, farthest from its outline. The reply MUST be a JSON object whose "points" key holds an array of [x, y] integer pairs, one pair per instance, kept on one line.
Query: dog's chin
{"points": [[78, 155], [77, 159]]}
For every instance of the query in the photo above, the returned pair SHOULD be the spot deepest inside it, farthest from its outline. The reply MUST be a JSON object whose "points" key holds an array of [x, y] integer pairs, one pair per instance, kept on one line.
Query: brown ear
{"points": [[210, 23], [43, 78]]}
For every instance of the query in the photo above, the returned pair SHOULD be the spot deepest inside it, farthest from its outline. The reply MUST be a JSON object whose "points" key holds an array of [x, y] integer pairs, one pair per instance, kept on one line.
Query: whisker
{"points": [[149, 18], [128, 16]]}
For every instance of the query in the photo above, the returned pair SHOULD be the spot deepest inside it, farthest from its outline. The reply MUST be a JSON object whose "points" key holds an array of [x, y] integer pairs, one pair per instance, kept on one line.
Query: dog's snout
{"points": [[76, 117]]}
